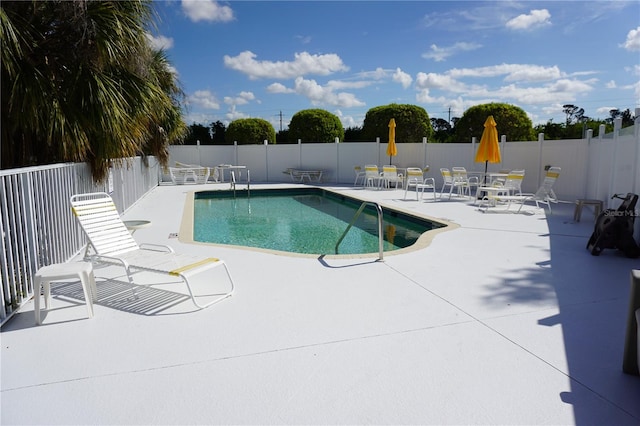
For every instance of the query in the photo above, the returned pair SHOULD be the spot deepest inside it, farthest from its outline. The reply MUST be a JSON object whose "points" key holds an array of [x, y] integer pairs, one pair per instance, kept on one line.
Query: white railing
{"points": [[37, 225]]}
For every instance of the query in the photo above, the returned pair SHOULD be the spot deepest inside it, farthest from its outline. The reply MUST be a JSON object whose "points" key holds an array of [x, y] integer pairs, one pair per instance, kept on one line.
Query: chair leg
{"points": [[87, 289], [36, 299]]}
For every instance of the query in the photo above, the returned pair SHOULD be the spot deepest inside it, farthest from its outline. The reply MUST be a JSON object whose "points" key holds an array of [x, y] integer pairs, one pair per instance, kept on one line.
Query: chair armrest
{"points": [[155, 247]]}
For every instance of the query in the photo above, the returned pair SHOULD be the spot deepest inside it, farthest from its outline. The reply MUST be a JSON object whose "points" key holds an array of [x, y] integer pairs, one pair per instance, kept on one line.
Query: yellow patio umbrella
{"points": [[392, 150], [489, 149]]}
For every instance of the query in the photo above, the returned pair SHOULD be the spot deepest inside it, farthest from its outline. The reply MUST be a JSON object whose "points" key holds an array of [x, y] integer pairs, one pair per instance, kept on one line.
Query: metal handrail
{"points": [[233, 183], [355, 217]]}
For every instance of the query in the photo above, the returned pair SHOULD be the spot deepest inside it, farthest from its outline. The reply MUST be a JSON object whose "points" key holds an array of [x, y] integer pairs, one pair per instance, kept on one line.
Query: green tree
{"points": [[283, 137], [443, 131], [247, 131], [354, 134], [512, 121], [218, 132], [412, 123], [626, 115], [79, 82], [574, 113], [315, 125], [198, 132]]}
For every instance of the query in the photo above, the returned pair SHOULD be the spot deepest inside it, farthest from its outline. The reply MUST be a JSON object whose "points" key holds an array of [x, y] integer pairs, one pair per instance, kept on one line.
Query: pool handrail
{"points": [[353, 220]]}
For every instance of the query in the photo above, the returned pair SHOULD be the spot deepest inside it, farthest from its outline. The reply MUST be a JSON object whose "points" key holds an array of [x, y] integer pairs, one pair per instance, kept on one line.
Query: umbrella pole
{"points": [[480, 195], [486, 163]]}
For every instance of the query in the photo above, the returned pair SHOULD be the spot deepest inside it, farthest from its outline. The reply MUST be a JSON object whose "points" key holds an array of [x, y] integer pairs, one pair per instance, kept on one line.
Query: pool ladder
{"points": [[355, 217], [233, 183]]}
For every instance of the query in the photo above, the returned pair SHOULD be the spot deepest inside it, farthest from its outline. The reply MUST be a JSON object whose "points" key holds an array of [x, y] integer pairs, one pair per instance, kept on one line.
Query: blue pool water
{"points": [[308, 220]]}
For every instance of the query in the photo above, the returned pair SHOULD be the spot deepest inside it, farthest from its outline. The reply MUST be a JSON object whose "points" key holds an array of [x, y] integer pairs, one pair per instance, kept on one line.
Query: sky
{"points": [[271, 59]]}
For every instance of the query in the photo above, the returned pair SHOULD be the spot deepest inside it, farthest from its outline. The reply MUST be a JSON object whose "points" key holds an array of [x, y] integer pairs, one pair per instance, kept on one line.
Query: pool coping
{"points": [[185, 234]]}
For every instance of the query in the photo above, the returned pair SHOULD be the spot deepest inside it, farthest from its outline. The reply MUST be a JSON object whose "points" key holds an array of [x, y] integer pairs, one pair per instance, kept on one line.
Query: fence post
{"points": [[424, 149], [266, 160], [586, 169], [540, 140], [337, 143], [617, 124]]}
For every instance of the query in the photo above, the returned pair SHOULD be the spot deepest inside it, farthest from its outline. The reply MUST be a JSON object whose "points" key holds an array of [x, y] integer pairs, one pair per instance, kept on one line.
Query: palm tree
{"points": [[81, 83]]}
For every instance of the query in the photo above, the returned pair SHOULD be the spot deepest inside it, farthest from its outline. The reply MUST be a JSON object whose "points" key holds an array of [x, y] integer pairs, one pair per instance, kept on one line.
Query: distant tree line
{"points": [[413, 123]]}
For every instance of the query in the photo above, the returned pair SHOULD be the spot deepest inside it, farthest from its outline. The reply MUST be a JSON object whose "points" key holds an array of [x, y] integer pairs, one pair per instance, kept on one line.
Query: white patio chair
{"points": [[390, 176], [415, 180], [468, 182], [360, 175], [372, 176], [448, 180], [112, 243]]}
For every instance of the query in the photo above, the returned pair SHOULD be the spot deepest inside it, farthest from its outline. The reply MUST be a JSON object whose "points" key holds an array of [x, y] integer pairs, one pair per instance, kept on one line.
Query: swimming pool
{"points": [[301, 220]]}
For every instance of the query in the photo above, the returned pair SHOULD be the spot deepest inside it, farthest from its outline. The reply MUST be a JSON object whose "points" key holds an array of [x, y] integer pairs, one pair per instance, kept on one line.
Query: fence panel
{"points": [[37, 225]]}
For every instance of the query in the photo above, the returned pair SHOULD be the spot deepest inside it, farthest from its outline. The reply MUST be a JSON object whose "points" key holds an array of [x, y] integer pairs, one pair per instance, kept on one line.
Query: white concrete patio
{"points": [[506, 319]]}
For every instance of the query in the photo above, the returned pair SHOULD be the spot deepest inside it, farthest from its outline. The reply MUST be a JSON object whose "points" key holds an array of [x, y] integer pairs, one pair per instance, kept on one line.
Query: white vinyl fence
{"points": [[594, 167], [37, 225]]}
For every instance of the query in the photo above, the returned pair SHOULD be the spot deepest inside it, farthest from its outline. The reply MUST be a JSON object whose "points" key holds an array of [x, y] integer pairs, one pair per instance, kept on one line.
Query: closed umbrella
{"points": [[489, 149], [392, 150]]}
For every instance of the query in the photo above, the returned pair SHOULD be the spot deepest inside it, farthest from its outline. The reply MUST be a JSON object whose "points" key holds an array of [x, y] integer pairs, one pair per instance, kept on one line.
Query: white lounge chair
{"points": [[183, 172], [113, 244], [508, 186], [544, 194]]}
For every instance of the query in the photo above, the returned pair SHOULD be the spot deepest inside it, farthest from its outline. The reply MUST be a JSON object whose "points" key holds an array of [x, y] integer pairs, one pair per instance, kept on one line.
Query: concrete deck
{"points": [[506, 319]]}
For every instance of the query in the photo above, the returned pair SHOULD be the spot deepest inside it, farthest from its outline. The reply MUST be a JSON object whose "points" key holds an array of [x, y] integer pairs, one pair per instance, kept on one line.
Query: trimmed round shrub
{"points": [[412, 123], [247, 131], [315, 125], [512, 121]]}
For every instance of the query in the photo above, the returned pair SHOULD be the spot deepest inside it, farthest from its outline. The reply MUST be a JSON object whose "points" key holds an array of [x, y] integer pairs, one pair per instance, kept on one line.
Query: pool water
{"points": [[299, 221]]}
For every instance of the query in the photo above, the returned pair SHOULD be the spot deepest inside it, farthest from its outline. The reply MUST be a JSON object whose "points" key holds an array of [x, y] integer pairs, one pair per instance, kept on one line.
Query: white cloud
{"points": [[303, 39], [402, 77], [207, 10], [611, 84], [242, 99], [438, 81], [347, 120], [340, 85], [439, 54], [160, 42], [234, 114], [377, 74], [204, 99], [278, 88], [524, 85], [513, 72], [605, 110], [319, 95], [635, 87], [633, 40], [304, 63], [535, 18]]}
